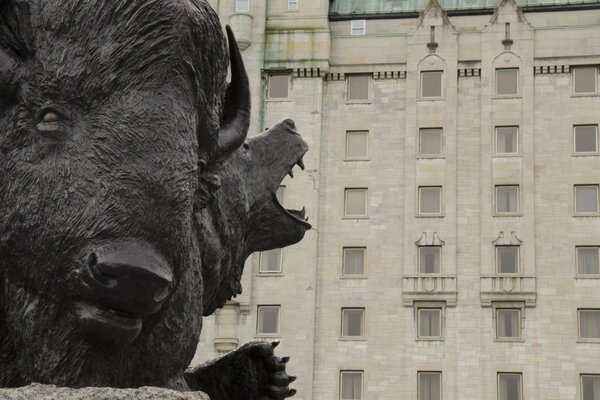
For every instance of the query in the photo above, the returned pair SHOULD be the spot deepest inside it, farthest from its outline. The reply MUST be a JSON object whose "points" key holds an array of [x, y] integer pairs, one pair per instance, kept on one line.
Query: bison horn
{"points": [[234, 127]]}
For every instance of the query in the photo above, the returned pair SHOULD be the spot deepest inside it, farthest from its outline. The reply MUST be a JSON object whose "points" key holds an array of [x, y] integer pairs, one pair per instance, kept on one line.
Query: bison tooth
{"points": [[301, 164], [303, 212], [291, 174], [306, 219]]}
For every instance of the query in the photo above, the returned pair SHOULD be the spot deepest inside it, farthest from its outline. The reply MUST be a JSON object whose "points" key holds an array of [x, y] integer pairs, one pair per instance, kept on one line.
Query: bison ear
{"points": [[236, 121]]}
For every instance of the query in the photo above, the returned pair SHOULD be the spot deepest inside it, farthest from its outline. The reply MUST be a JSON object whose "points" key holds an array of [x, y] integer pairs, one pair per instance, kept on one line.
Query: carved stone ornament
{"points": [[130, 196]]}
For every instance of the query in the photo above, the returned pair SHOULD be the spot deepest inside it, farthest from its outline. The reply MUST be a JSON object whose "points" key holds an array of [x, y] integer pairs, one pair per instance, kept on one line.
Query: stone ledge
{"points": [[51, 392]]}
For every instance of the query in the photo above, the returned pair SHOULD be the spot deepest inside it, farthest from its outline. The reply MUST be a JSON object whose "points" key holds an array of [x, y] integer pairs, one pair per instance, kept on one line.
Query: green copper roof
{"points": [[366, 7]]}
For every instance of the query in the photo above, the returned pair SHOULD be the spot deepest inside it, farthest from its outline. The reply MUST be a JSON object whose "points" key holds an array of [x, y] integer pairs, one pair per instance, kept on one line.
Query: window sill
{"points": [[354, 102], [590, 94], [590, 276], [507, 155], [509, 340], [352, 339], [270, 275], [267, 335], [357, 159], [507, 96], [432, 339], [579, 215], [350, 277], [582, 340], [355, 217], [586, 154], [497, 214], [431, 157], [429, 215], [428, 99], [279, 100]]}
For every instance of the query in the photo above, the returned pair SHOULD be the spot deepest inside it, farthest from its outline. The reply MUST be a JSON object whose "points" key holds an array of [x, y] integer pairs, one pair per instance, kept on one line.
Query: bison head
{"points": [[115, 123]]}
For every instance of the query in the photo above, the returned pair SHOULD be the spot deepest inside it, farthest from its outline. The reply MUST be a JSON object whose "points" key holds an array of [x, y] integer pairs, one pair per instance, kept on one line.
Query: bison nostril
{"points": [[102, 277]]}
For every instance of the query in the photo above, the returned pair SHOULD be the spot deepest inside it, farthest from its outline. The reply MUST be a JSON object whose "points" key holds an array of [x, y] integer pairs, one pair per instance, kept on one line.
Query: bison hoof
{"points": [[275, 380]]}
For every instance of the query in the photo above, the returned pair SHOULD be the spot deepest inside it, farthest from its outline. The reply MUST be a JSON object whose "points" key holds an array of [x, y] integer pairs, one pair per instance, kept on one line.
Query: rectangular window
{"points": [[507, 259], [430, 200], [268, 320], [353, 320], [351, 383], [507, 141], [354, 261], [355, 202], [430, 385], [429, 259], [589, 324], [586, 138], [358, 27], [429, 323], [586, 199], [431, 84], [509, 386], [242, 5], [590, 387], [507, 81], [292, 5], [278, 86], [357, 145], [508, 323], [507, 199], [588, 260], [270, 262], [358, 87], [584, 80], [430, 141]]}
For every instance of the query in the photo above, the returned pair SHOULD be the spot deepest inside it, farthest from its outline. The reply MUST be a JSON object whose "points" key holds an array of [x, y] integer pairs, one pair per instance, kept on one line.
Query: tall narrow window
{"points": [[431, 84], [507, 199], [278, 86], [358, 87], [430, 141], [430, 200], [586, 199], [589, 324], [507, 81], [355, 204], [351, 383], [358, 27], [353, 322], [509, 386], [354, 261], [357, 145], [429, 259], [586, 138], [292, 5], [430, 385], [242, 5], [507, 259], [590, 387], [588, 260], [508, 323], [584, 80], [429, 323], [507, 140], [268, 320]]}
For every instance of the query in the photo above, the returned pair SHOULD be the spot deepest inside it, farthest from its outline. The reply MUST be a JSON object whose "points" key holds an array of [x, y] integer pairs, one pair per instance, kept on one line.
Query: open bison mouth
{"points": [[297, 215]]}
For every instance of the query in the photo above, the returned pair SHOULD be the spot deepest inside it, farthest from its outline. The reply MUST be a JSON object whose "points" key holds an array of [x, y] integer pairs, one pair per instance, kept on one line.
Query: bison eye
{"points": [[50, 117]]}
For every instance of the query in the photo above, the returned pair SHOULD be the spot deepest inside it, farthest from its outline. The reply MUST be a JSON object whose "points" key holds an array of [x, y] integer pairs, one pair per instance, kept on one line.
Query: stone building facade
{"points": [[452, 184]]}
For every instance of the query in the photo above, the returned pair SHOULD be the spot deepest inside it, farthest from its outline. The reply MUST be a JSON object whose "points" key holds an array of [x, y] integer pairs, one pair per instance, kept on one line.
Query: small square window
{"points": [[278, 86], [357, 145], [586, 199], [351, 384], [431, 84], [354, 261], [507, 260], [507, 81], [509, 386], [586, 139], [353, 320], [429, 259], [507, 141], [430, 141], [358, 87], [430, 385], [584, 80], [292, 5], [358, 27], [508, 323], [590, 387], [270, 262], [242, 5], [430, 200], [268, 320], [355, 202], [589, 324], [588, 260], [507, 199], [429, 323]]}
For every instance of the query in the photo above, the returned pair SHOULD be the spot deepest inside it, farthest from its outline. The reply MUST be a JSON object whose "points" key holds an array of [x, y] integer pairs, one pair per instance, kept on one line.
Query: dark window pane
{"points": [[507, 81], [431, 84]]}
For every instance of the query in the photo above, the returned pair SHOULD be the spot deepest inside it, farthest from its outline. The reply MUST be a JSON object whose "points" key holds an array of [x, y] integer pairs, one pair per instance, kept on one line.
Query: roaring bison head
{"points": [[122, 185]]}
